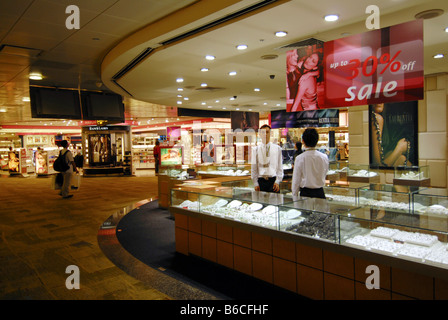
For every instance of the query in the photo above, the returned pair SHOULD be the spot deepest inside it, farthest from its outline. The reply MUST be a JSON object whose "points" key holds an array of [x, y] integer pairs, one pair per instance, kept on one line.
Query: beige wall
{"points": [[432, 132]]}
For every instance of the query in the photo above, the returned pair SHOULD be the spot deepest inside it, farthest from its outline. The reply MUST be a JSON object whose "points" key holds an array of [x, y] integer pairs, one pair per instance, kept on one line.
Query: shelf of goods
{"points": [[318, 248]]}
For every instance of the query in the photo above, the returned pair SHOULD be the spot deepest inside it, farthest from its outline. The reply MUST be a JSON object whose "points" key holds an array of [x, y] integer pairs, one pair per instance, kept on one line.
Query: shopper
{"points": [[310, 168], [67, 175], [267, 163], [156, 153], [298, 147]]}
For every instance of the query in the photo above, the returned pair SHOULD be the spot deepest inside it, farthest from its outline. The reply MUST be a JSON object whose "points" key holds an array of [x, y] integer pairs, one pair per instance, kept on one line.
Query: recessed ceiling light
{"points": [[180, 89], [186, 98], [217, 101], [203, 103], [281, 34], [35, 76], [257, 89], [232, 73], [179, 80], [2, 110], [203, 84], [438, 56], [179, 102], [331, 17], [204, 69], [446, 29], [232, 98], [179, 96], [237, 109], [209, 57], [209, 107], [26, 99], [224, 108], [241, 47]]}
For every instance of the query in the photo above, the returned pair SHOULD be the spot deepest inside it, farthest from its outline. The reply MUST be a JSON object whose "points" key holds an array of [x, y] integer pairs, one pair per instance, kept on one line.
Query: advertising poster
{"points": [[244, 120], [100, 149], [384, 65], [13, 161], [393, 129], [173, 133], [41, 162], [305, 78]]}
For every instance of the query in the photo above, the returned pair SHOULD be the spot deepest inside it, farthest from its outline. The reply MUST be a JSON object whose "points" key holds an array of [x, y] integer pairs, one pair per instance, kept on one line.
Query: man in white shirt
{"points": [[310, 168], [267, 163]]}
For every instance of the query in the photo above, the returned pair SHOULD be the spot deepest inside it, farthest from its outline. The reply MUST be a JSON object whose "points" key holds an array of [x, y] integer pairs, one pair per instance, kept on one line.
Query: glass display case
{"points": [[253, 207], [385, 196], [361, 173], [317, 218], [431, 201], [420, 238], [333, 173], [417, 237], [224, 170], [343, 192], [416, 176]]}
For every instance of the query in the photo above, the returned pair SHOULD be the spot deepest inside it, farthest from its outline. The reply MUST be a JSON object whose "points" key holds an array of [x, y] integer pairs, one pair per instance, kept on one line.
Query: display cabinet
{"points": [[313, 217], [420, 238], [223, 170], [385, 196], [333, 173], [361, 173], [432, 201], [343, 193], [412, 176]]}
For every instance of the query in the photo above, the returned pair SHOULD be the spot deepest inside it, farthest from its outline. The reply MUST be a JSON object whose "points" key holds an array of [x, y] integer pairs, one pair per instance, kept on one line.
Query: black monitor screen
{"points": [[55, 103], [102, 106]]}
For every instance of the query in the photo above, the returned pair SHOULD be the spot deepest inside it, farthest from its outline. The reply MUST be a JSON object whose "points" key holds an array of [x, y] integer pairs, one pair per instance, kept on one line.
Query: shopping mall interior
{"points": [[113, 77]]}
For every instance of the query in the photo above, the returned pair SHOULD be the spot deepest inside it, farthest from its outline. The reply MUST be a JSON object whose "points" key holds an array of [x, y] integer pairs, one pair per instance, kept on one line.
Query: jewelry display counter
{"points": [[412, 176], [315, 247], [361, 173]]}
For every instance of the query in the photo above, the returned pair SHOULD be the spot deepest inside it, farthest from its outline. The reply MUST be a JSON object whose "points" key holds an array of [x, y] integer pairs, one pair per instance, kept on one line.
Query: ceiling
{"points": [[112, 33]]}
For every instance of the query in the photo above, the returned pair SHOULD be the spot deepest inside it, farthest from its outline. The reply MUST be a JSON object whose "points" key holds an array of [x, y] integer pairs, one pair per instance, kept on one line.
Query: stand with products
{"points": [[107, 150]]}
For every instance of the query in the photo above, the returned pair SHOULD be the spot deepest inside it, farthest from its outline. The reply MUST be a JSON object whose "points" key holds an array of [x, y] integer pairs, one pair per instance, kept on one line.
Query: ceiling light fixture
{"points": [[257, 89], [210, 57], [331, 17], [232, 73], [281, 34], [35, 76], [179, 80], [204, 69], [241, 47], [446, 29], [203, 84], [180, 89], [438, 56]]}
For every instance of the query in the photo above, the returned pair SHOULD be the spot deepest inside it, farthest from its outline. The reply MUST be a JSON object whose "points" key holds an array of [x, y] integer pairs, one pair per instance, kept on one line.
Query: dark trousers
{"points": [[312, 193], [267, 185]]}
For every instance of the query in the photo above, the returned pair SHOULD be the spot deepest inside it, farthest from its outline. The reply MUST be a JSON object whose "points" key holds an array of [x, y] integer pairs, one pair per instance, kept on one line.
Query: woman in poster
{"points": [[41, 162], [392, 132], [302, 75]]}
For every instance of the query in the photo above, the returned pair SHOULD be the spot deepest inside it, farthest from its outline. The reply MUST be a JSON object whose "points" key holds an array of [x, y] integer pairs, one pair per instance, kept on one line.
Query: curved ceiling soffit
{"points": [[189, 22]]}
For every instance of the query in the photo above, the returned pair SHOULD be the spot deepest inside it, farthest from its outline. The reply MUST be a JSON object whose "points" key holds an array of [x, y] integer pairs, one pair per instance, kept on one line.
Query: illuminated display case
{"points": [[343, 193], [391, 197], [361, 173], [223, 170], [431, 201], [413, 176]]}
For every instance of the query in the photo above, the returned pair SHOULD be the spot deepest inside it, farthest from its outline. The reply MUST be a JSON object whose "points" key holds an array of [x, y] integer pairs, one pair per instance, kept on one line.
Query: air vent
{"points": [[429, 14], [19, 51], [133, 63], [269, 57], [209, 88], [219, 21]]}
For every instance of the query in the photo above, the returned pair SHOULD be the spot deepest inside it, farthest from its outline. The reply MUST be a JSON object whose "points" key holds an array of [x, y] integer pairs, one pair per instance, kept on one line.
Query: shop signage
{"points": [[378, 66], [303, 119]]}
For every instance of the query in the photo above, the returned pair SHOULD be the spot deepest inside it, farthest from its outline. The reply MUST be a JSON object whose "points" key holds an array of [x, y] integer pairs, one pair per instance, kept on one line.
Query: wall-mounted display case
{"points": [[412, 176]]}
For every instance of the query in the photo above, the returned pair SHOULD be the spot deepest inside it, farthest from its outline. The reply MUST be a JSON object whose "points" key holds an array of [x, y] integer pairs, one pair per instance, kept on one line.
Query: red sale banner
{"points": [[384, 65]]}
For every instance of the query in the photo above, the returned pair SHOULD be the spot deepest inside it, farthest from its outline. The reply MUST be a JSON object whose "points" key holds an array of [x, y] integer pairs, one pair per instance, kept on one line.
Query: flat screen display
{"points": [[171, 156], [102, 106], [54, 103]]}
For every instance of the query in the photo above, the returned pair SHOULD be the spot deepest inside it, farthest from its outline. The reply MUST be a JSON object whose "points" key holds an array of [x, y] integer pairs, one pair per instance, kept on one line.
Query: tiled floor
{"points": [[41, 234]]}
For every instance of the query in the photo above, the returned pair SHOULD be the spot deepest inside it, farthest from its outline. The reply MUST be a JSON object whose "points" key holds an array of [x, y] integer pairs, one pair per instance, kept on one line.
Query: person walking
{"points": [[67, 175]]}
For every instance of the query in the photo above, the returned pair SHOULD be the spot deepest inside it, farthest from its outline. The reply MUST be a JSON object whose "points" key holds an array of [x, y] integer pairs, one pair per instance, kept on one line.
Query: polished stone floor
{"points": [[42, 234]]}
